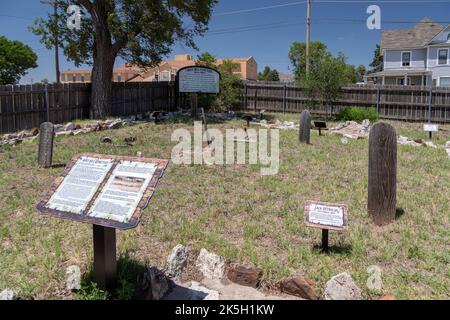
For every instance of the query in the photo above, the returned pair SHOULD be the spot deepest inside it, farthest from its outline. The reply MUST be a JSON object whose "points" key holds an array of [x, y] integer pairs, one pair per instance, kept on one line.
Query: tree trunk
{"points": [[102, 74], [104, 56]]}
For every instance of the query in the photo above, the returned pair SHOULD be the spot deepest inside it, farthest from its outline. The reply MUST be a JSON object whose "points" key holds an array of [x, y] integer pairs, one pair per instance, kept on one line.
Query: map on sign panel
{"points": [[110, 191]]}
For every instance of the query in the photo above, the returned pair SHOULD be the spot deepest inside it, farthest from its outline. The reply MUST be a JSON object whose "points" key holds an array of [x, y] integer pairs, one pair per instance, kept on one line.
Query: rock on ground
{"points": [[155, 284], [211, 265], [8, 295], [245, 276], [342, 287], [73, 281], [300, 287], [177, 261]]}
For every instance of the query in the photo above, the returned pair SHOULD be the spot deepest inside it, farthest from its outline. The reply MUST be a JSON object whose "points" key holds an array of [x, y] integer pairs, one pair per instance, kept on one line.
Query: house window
{"points": [[406, 59], [172, 77], [444, 82], [156, 77], [448, 37], [82, 78], [74, 78], [119, 78], [442, 56], [165, 76]]}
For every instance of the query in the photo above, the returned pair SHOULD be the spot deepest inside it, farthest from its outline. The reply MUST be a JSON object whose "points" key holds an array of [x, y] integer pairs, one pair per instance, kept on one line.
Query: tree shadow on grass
{"points": [[129, 279]]}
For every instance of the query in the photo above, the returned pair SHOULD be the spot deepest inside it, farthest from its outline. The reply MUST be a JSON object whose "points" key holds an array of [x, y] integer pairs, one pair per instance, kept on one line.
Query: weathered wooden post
{"points": [[194, 105], [46, 135], [382, 196], [305, 127], [105, 263]]}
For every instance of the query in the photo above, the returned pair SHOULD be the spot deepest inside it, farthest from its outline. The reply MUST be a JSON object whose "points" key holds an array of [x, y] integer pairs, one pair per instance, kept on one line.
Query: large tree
{"points": [[139, 31], [297, 56], [15, 59]]}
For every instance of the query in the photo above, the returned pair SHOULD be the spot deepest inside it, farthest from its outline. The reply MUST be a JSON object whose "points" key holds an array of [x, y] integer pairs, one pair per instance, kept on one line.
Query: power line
{"points": [[330, 2]]}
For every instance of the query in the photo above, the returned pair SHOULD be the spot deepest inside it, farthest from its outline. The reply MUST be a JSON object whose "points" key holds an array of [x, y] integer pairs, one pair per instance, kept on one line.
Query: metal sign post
{"points": [[105, 264]]}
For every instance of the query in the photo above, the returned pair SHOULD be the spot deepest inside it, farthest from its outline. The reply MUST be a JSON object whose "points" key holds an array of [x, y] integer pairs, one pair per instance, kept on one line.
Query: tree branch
{"points": [[87, 4]]}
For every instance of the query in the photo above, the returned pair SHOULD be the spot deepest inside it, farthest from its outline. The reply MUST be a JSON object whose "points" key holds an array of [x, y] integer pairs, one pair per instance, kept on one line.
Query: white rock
{"points": [[116, 124], [342, 287], [8, 295], [177, 261], [156, 281], [73, 281], [69, 127], [211, 265], [198, 292]]}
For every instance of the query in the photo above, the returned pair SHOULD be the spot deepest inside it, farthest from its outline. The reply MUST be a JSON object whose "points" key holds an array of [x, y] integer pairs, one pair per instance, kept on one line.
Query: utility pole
{"points": [[55, 37], [308, 34]]}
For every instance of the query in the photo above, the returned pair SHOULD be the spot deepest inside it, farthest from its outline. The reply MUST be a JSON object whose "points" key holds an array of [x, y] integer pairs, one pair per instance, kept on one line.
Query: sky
{"points": [[264, 29]]}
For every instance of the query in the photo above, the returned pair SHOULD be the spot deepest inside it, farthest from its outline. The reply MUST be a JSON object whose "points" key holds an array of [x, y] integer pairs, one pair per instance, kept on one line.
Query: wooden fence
{"points": [[409, 103], [27, 106]]}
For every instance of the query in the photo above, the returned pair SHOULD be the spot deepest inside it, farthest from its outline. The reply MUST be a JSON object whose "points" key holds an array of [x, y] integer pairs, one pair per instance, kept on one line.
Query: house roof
{"points": [[418, 37]]}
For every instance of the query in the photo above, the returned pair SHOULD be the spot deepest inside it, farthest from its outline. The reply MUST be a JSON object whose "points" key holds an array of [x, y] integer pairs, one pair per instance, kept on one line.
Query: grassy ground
{"points": [[239, 214]]}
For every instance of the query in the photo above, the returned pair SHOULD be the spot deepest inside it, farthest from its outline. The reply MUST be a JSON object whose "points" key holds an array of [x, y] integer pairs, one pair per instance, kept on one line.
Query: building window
{"points": [[156, 77], [119, 78], [406, 59], [165, 76], [74, 78], [448, 37], [444, 82], [442, 56], [82, 78], [172, 77]]}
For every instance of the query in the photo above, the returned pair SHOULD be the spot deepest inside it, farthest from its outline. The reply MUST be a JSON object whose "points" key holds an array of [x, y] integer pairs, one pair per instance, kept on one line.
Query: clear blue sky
{"points": [[268, 32]]}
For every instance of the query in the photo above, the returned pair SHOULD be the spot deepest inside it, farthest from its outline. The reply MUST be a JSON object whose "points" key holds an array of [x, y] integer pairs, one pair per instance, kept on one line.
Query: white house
{"points": [[416, 56]]}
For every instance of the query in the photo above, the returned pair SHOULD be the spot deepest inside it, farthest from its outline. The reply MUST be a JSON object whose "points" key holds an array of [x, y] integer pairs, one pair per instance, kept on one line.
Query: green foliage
{"points": [[327, 74], [90, 291], [15, 59], [269, 75], [358, 114], [133, 26], [377, 62], [229, 84], [297, 56], [325, 80], [206, 59]]}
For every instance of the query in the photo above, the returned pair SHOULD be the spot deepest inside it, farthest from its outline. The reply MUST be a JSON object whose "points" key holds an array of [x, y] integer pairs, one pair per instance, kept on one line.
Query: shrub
{"points": [[358, 114]]}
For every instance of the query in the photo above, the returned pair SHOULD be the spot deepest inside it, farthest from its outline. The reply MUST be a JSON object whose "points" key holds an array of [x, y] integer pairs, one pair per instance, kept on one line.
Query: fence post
{"points": [[256, 99], [430, 105], [47, 104], [378, 99], [14, 108], [284, 98], [245, 96]]}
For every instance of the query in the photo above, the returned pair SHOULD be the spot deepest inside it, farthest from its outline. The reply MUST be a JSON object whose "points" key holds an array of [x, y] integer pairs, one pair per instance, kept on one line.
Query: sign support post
{"points": [[194, 105], [325, 240], [105, 263]]}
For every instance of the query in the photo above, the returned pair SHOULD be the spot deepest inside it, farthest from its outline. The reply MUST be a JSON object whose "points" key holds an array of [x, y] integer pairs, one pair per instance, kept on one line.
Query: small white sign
{"points": [[326, 215], [198, 80], [430, 127]]}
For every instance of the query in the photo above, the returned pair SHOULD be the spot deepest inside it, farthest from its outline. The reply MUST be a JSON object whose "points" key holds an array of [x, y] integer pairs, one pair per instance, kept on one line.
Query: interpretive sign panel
{"points": [[430, 127], [109, 191], [198, 80], [325, 215]]}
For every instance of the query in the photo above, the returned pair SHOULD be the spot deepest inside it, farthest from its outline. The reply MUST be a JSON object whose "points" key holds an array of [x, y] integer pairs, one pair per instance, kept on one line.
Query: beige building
{"points": [[165, 71]]}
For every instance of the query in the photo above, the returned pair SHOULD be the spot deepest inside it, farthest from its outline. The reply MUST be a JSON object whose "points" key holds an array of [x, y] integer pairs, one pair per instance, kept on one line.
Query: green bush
{"points": [[358, 114]]}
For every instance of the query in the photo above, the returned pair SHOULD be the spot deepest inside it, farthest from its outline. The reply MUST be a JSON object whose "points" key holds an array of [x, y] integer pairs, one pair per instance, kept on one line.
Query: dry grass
{"points": [[239, 214]]}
